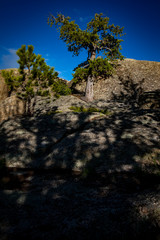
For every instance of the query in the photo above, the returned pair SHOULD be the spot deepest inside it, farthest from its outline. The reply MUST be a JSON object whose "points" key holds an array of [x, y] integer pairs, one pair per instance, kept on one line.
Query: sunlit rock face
{"points": [[4, 91], [11, 107], [131, 78], [144, 74], [121, 140]]}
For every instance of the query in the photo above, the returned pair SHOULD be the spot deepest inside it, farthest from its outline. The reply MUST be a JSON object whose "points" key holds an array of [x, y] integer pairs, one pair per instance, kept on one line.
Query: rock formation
{"points": [[56, 137], [3, 88], [130, 79], [144, 74], [115, 143], [10, 107]]}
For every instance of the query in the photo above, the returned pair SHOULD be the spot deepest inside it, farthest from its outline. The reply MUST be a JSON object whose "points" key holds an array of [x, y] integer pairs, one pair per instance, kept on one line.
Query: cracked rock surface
{"points": [[123, 140], [117, 194], [60, 206]]}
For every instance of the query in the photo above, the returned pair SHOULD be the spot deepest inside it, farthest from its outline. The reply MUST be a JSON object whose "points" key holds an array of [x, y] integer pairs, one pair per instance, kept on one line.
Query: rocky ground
{"points": [[80, 175], [63, 206], [124, 138]]}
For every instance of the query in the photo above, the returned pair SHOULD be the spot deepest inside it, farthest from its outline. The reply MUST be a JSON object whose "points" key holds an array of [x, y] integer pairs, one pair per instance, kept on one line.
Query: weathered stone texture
{"points": [[3, 88], [115, 142], [144, 73], [10, 107]]}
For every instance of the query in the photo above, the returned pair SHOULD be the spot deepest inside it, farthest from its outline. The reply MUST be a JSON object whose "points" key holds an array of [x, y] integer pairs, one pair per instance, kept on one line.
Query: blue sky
{"points": [[25, 22]]}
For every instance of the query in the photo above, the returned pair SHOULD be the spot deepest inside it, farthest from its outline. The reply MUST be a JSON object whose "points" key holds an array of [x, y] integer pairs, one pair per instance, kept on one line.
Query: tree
{"points": [[36, 75], [34, 78], [10, 80], [99, 37]]}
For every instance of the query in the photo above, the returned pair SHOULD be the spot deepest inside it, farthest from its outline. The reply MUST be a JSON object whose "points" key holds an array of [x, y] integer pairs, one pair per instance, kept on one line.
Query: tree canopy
{"points": [[98, 37], [34, 78]]}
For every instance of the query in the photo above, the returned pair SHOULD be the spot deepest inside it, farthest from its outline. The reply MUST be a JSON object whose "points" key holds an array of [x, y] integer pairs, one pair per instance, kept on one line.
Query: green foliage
{"points": [[11, 80], [44, 93], [97, 67], [80, 74], [42, 73], [98, 36], [26, 58], [35, 73], [35, 77], [100, 67], [89, 110], [60, 88], [49, 113]]}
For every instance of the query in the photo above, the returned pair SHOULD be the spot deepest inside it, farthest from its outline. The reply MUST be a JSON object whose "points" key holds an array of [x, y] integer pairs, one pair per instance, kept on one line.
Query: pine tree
{"points": [[99, 37], [11, 80], [25, 90], [35, 76]]}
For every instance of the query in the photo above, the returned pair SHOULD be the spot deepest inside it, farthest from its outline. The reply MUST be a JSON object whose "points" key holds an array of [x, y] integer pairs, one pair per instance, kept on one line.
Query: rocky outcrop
{"points": [[11, 107], [58, 137], [144, 74], [130, 79], [121, 145], [4, 91], [121, 140], [113, 147], [117, 201]]}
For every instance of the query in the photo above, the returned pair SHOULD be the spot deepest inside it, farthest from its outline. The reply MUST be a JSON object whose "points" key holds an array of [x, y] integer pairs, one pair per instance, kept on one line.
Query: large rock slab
{"points": [[11, 107], [144, 74], [124, 140], [4, 90]]}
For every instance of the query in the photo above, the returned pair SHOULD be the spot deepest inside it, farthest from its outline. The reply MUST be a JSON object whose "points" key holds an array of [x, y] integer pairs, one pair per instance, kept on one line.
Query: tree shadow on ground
{"points": [[130, 92], [133, 94], [108, 200]]}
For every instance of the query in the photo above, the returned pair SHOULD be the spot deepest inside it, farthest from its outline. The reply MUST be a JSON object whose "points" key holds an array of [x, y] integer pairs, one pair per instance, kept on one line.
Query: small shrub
{"points": [[99, 67], [60, 88], [11, 80], [49, 113], [44, 93]]}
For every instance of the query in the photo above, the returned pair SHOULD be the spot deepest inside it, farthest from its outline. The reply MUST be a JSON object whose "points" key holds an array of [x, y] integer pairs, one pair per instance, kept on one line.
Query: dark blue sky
{"points": [[25, 22]]}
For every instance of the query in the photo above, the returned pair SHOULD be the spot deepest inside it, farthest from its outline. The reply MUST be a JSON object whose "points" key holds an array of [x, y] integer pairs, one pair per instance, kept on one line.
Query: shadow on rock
{"points": [[102, 191]]}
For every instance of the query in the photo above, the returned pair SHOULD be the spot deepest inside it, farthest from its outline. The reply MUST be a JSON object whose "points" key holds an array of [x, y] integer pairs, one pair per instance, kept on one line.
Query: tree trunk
{"points": [[89, 89], [29, 108], [35, 98], [90, 80], [93, 55], [34, 103]]}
